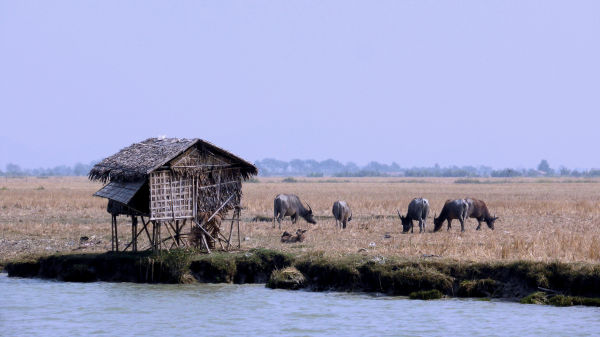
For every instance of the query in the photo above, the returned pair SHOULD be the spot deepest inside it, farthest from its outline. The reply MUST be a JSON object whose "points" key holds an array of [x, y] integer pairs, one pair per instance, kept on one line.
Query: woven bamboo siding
{"points": [[170, 197]]}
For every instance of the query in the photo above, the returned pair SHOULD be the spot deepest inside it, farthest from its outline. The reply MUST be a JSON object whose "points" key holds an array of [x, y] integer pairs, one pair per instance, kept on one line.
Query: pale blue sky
{"points": [[500, 83]]}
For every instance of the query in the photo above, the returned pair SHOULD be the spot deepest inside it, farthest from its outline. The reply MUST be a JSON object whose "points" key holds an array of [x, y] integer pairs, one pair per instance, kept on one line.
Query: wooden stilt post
{"points": [[230, 230], [112, 232], [238, 228], [116, 235], [134, 232], [158, 236], [154, 240], [177, 232]]}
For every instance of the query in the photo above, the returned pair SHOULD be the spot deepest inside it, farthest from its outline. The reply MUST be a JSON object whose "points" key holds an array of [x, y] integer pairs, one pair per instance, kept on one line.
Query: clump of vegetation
{"points": [[567, 301], [401, 279], [289, 180], [176, 264], [39, 188], [478, 288], [217, 267], [467, 181], [287, 278], [256, 265], [253, 180], [433, 294], [559, 300], [330, 274], [537, 297], [253, 266]]}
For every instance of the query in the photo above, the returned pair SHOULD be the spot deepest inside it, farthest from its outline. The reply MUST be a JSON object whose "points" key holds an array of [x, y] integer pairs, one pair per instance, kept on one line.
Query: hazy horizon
{"points": [[494, 83]]}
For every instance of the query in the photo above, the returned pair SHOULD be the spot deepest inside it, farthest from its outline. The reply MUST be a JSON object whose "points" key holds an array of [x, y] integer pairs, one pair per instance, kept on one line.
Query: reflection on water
{"points": [[38, 307]]}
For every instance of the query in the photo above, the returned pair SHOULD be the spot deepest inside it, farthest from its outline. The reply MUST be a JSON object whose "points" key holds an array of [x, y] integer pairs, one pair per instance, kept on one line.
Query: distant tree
{"points": [[506, 173], [544, 167], [565, 171], [81, 169], [13, 170]]}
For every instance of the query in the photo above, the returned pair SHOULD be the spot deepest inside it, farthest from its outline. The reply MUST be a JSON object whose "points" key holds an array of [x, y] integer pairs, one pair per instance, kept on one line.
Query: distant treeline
{"points": [[79, 169], [334, 168]]}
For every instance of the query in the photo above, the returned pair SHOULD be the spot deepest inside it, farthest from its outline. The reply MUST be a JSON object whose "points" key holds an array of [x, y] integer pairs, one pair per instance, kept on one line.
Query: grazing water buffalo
{"points": [[478, 210], [290, 205], [418, 209], [453, 209], [342, 213]]}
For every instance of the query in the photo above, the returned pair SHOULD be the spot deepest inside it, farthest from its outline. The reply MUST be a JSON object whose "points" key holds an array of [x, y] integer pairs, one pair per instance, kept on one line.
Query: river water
{"points": [[33, 307]]}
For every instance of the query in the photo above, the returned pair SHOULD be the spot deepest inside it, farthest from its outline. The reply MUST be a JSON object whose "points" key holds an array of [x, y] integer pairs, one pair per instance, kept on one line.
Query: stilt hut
{"points": [[170, 183]]}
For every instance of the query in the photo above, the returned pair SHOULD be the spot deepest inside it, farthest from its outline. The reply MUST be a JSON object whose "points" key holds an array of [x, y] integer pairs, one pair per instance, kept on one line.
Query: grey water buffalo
{"points": [[342, 213], [453, 209], [290, 205], [478, 210], [418, 209]]}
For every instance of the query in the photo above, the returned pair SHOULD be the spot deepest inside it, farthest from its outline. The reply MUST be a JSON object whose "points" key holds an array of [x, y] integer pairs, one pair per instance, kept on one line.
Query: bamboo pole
{"points": [[147, 232], [220, 207], [172, 201], [169, 231], [112, 233], [238, 228], [116, 235], [230, 230], [135, 224]]}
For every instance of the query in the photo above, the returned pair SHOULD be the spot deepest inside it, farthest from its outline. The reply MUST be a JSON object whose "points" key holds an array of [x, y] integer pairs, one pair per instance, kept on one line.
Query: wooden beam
{"points": [[169, 231], [116, 235], [220, 207], [219, 184], [147, 232]]}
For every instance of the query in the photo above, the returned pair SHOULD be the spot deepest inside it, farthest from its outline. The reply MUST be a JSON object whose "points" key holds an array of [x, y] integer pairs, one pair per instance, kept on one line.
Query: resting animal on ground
{"points": [[342, 213], [289, 238], [290, 205], [418, 209], [453, 209]]}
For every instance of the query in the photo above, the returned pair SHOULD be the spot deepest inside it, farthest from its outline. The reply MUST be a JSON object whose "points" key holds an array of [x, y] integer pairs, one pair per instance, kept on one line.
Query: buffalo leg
{"points": [[462, 225], [449, 223], [421, 229], [344, 223], [479, 224]]}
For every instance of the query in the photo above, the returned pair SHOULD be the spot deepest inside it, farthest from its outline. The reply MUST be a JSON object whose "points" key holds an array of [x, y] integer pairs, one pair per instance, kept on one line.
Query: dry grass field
{"points": [[549, 219]]}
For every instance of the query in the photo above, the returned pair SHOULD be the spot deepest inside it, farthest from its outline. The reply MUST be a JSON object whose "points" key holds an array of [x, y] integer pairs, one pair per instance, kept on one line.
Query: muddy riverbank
{"points": [[420, 278]]}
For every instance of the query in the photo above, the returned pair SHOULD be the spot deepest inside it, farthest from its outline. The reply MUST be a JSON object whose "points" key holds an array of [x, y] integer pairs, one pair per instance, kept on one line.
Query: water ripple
{"points": [[42, 308]]}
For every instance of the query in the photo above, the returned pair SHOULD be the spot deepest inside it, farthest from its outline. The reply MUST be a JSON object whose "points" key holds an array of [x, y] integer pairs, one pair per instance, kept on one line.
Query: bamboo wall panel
{"points": [[171, 197]]}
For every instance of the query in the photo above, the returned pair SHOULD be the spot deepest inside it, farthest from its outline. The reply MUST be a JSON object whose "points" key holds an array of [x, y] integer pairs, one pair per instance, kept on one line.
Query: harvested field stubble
{"points": [[544, 220]]}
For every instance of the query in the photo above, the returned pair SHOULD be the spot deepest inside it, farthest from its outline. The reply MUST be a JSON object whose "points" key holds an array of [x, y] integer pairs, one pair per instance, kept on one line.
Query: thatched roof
{"points": [[138, 160]]}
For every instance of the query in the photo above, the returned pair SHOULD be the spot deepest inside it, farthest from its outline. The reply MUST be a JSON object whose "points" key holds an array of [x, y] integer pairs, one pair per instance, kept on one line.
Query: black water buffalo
{"points": [[478, 210], [418, 209], [290, 205], [342, 213], [453, 209]]}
